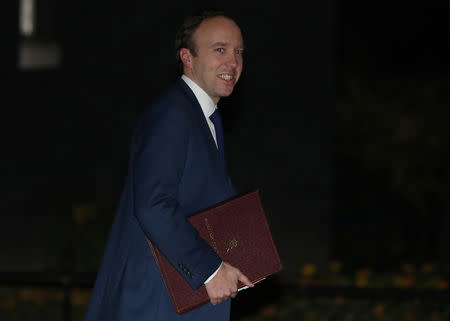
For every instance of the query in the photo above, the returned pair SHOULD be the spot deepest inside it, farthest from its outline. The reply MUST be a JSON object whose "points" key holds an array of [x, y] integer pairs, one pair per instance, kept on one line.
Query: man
{"points": [[177, 168]]}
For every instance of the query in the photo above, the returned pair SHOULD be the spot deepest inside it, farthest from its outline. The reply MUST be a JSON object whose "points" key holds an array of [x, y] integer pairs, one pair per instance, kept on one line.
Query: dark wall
{"points": [[70, 127], [393, 65]]}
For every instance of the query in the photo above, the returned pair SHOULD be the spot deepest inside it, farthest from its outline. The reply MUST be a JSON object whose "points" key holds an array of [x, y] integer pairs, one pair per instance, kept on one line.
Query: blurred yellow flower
{"points": [[335, 266], [411, 316], [378, 310], [442, 284], [80, 296], [365, 272], [339, 300], [405, 131], [308, 270], [362, 277], [25, 294], [435, 316], [362, 282], [37, 296], [7, 302], [269, 311], [409, 268], [404, 282], [427, 267], [82, 212]]}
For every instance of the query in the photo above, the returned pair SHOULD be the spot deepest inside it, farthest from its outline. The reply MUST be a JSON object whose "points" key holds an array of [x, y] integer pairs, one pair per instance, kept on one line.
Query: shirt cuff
{"points": [[214, 274]]}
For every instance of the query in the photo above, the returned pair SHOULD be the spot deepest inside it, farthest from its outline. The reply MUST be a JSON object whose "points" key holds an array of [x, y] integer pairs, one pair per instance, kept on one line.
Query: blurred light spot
{"points": [[26, 17]]}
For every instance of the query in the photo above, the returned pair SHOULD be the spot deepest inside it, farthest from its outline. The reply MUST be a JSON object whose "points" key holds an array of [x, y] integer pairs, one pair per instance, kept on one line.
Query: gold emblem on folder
{"points": [[211, 234], [231, 244]]}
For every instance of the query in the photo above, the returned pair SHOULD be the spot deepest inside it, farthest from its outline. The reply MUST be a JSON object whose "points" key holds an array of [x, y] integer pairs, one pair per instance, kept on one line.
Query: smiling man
{"points": [[214, 59], [177, 168]]}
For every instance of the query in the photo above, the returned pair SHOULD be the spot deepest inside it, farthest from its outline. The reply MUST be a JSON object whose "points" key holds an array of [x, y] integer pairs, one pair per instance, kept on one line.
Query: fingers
{"points": [[215, 301], [245, 280], [219, 297], [224, 285]]}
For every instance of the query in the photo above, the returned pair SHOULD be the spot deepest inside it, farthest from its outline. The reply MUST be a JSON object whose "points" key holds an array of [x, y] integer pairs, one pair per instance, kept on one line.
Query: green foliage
{"points": [[293, 303], [345, 309], [298, 303]]}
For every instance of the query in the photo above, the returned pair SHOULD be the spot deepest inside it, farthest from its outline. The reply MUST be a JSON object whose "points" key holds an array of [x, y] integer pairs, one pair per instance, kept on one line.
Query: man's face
{"points": [[217, 65]]}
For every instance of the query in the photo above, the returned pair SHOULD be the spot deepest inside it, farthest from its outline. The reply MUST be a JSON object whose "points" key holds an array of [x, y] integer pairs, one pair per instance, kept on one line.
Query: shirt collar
{"points": [[206, 103]]}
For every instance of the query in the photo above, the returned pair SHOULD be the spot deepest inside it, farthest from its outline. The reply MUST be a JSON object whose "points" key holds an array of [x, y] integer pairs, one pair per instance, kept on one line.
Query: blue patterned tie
{"points": [[217, 121]]}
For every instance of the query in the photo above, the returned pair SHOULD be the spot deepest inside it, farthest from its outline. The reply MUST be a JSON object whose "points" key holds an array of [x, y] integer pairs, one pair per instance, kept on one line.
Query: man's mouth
{"points": [[226, 77]]}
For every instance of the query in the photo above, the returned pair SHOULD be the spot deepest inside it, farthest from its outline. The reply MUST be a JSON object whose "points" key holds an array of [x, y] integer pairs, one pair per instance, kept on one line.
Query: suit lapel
{"points": [[200, 119]]}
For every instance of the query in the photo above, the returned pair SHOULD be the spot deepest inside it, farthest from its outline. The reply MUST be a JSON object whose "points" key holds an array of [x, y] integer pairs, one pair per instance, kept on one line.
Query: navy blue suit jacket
{"points": [[175, 170]]}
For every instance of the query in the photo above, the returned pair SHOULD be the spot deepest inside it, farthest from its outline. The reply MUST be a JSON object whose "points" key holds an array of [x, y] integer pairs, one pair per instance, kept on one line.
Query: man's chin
{"points": [[226, 92]]}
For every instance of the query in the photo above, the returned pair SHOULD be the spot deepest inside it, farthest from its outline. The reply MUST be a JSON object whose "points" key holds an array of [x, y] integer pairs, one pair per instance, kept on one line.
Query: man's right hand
{"points": [[225, 284]]}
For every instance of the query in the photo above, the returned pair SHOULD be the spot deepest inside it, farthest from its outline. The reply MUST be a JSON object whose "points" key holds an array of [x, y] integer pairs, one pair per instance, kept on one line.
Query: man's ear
{"points": [[186, 57]]}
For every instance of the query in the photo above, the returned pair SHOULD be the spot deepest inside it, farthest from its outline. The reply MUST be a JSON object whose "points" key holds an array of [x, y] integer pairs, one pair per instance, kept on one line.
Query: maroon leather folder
{"points": [[238, 231]]}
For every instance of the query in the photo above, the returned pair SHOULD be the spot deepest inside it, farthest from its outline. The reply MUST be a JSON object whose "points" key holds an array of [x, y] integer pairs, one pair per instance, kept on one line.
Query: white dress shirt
{"points": [[208, 108]]}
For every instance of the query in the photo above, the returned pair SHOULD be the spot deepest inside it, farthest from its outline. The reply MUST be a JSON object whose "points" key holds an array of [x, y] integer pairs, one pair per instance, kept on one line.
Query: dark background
{"points": [[292, 126]]}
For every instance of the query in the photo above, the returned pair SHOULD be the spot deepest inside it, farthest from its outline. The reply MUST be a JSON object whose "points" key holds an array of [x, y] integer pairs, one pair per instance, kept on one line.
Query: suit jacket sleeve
{"points": [[160, 151]]}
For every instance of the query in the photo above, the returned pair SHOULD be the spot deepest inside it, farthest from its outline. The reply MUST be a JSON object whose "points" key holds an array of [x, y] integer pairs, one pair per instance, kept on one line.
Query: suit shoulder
{"points": [[171, 103], [171, 108]]}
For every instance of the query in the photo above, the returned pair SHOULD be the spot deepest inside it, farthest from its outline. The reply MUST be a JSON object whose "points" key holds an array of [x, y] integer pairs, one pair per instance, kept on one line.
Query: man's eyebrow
{"points": [[223, 44]]}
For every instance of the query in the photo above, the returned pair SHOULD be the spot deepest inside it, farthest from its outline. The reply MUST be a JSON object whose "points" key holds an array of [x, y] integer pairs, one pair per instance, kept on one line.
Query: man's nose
{"points": [[233, 59]]}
